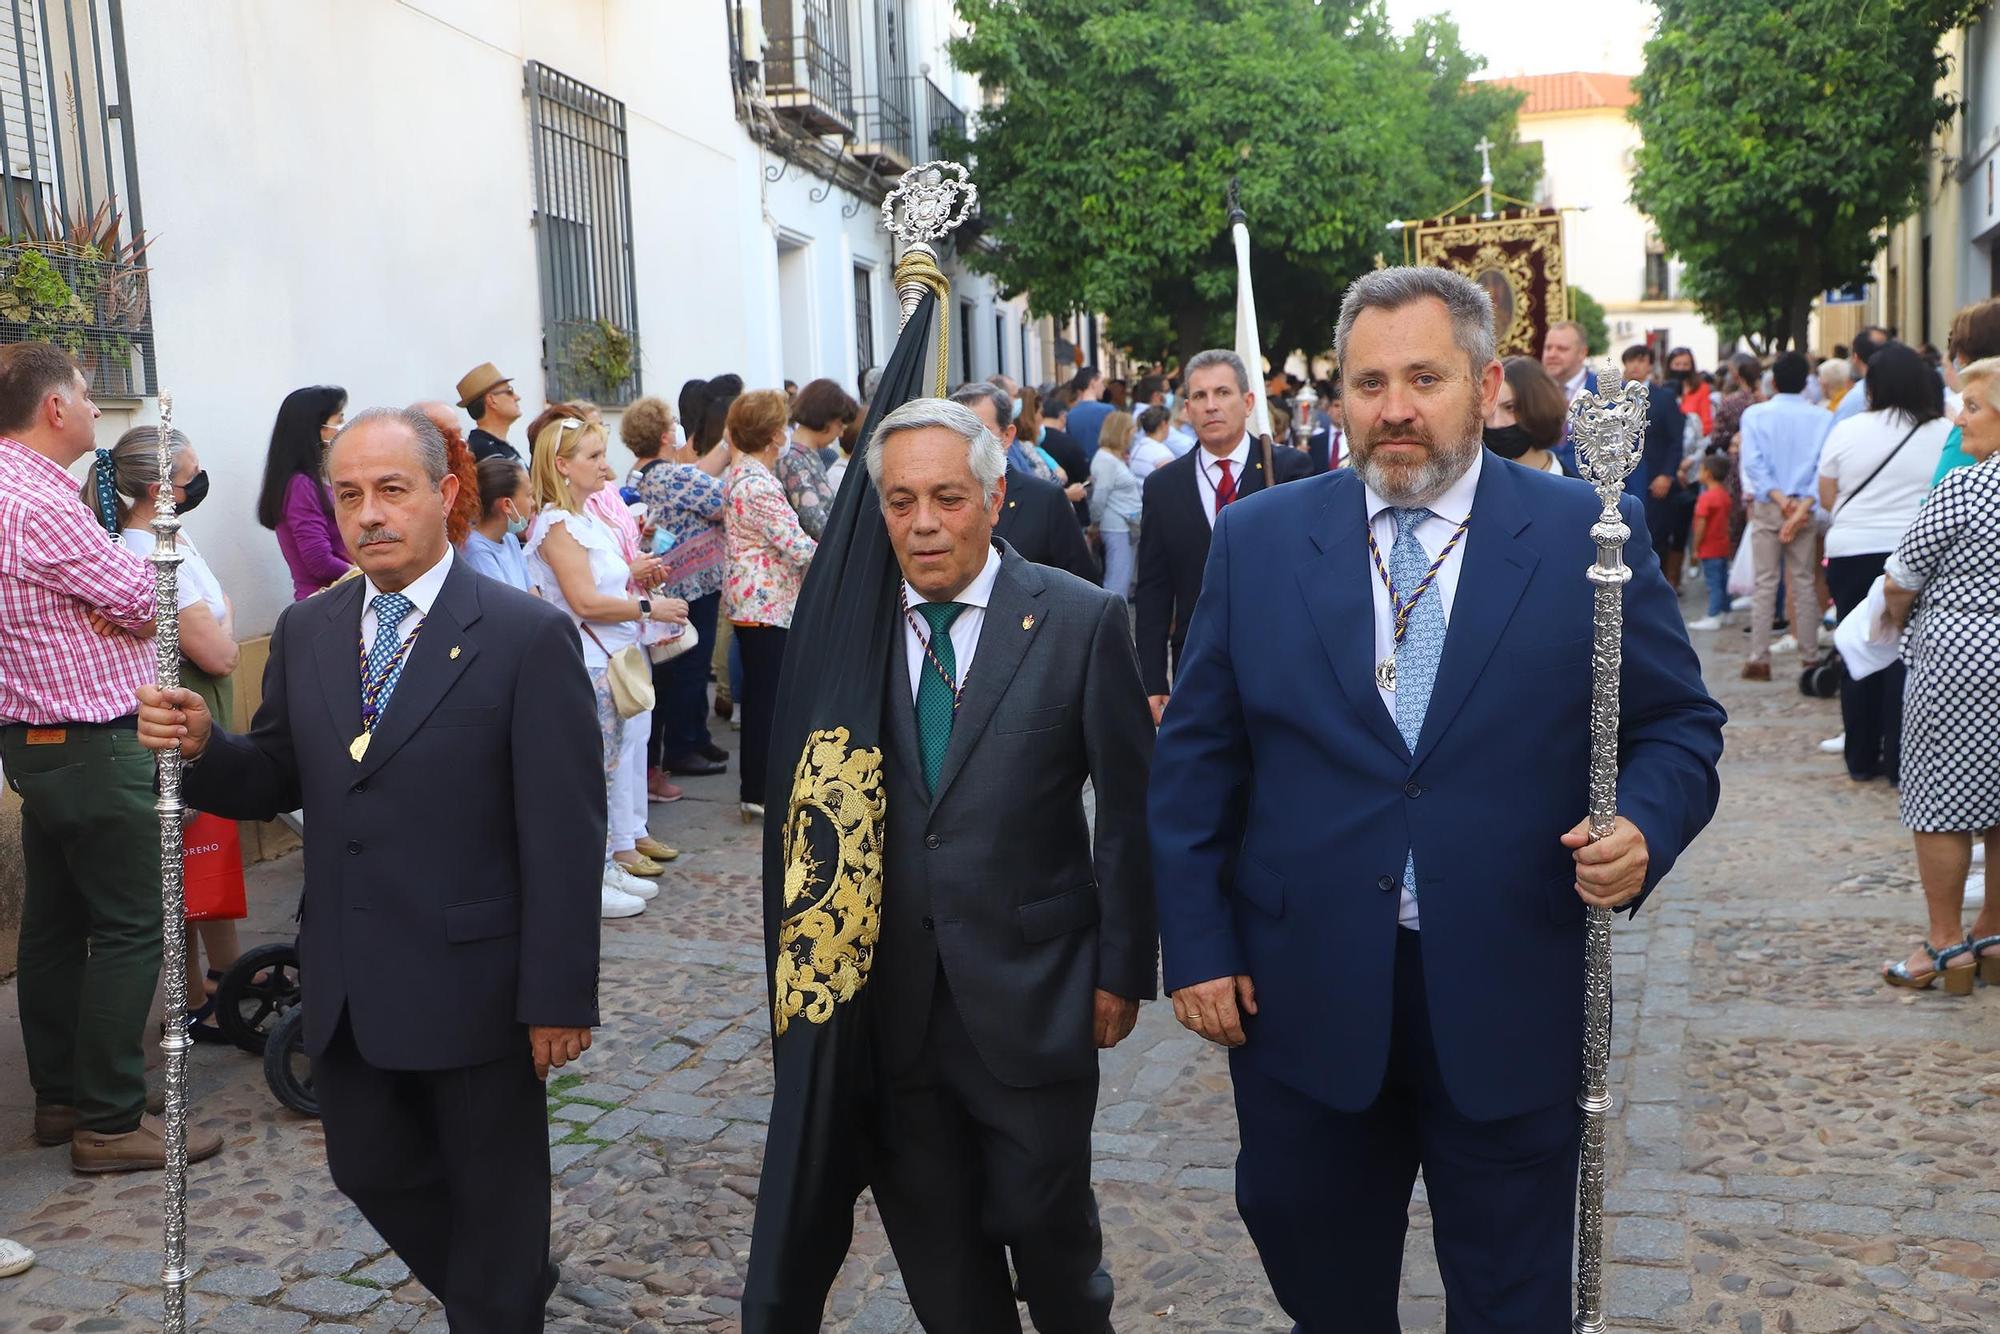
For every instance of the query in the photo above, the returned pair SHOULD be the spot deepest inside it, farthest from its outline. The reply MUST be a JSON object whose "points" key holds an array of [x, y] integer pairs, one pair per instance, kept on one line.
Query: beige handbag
{"points": [[631, 677], [666, 650]]}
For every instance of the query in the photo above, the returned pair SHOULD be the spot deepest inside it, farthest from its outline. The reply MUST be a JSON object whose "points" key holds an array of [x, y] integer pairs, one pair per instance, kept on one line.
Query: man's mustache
{"points": [[370, 536]]}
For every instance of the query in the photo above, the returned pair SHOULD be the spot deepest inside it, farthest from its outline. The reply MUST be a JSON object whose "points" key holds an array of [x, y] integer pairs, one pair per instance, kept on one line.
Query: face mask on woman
{"points": [[1509, 442], [517, 523], [195, 491]]}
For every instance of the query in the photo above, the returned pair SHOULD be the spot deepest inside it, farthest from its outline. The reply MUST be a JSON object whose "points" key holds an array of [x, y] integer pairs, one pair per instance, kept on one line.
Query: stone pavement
{"points": [[1796, 1147]]}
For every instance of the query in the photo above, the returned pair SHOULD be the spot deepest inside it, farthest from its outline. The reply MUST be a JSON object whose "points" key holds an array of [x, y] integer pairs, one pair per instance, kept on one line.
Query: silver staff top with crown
{"points": [[1609, 427], [931, 202]]}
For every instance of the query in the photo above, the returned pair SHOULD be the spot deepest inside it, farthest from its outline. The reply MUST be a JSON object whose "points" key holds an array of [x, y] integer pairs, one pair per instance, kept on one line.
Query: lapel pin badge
{"points": [[1028, 622], [454, 652]]}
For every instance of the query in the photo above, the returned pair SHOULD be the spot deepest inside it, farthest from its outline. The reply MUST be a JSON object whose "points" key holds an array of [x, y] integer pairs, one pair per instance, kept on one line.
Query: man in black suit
{"points": [[440, 731], [1014, 944], [1181, 501], [1656, 481], [1037, 520]]}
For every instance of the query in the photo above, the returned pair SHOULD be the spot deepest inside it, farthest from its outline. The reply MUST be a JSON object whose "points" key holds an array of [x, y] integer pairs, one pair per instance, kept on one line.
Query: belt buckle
{"points": [[47, 736]]}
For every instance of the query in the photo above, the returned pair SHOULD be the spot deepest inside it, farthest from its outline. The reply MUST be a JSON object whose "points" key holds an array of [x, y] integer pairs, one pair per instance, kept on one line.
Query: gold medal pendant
{"points": [[1385, 674], [359, 746]]}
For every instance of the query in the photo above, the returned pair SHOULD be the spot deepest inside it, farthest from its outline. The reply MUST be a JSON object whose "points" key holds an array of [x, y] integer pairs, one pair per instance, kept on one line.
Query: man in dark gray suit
{"points": [[439, 729], [1013, 945]]}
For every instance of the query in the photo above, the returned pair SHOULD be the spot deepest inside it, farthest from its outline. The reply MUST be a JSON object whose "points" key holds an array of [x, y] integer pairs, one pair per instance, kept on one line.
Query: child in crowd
{"points": [[1710, 539]]}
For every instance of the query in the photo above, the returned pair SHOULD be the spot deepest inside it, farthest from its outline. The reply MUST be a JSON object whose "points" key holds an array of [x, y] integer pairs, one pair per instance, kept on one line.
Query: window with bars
{"points": [[864, 319], [583, 240], [72, 239]]}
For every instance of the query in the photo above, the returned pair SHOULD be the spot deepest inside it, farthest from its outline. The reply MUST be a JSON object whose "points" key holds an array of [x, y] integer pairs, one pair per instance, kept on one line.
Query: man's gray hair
{"points": [[1391, 289], [1218, 356], [988, 459], [430, 440], [871, 380], [975, 390]]}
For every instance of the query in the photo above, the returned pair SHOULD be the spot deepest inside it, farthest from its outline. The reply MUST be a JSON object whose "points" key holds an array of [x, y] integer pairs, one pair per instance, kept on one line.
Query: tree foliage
{"points": [[1779, 140], [1103, 164], [1588, 311]]}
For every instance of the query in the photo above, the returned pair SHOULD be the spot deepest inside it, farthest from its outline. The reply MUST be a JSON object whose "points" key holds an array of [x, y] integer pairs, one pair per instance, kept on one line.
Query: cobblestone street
{"points": [[1796, 1147]]}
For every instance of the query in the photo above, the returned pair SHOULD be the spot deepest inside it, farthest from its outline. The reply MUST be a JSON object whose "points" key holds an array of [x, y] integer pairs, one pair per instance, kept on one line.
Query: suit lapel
{"points": [[1009, 628], [1493, 573], [900, 709], [1341, 604], [337, 656], [440, 655]]}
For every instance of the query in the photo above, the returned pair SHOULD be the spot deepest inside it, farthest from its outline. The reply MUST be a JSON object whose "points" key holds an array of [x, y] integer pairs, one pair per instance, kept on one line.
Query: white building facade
{"points": [[1611, 250], [382, 194]]}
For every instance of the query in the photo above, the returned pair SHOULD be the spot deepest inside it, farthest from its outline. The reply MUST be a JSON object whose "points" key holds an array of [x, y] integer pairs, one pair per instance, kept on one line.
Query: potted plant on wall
{"points": [[604, 357], [105, 275]]}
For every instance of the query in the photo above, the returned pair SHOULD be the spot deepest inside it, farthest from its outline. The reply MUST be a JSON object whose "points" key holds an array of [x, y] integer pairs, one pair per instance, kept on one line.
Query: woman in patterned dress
{"points": [[1943, 584]]}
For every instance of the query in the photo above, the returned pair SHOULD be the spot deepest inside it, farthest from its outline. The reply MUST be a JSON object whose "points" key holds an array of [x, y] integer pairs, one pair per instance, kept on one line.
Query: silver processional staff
{"points": [[1608, 427]]}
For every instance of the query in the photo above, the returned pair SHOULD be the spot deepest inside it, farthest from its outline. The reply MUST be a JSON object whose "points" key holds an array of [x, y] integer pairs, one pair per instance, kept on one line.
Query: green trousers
{"points": [[90, 928]]}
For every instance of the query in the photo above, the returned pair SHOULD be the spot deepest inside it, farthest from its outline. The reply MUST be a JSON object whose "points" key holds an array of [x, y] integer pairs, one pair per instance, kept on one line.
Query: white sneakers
{"points": [[1711, 623], [14, 1257], [636, 885], [615, 902], [1788, 644], [1834, 745]]}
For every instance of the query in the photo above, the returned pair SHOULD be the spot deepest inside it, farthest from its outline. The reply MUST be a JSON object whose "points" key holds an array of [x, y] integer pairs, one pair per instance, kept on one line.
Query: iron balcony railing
{"points": [[885, 133], [944, 121], [809, 63]]}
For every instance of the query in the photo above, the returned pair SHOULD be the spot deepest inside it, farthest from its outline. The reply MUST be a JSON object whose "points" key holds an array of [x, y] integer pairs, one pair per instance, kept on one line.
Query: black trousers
{"points": [[680, 718], [452, 1168], [971, 1169], [1871, 709], [1326, 1194], [763, 649]]}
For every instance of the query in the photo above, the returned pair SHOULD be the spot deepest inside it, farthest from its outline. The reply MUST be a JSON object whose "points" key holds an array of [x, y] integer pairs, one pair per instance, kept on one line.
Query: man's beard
{"points": [[1408, 485]]}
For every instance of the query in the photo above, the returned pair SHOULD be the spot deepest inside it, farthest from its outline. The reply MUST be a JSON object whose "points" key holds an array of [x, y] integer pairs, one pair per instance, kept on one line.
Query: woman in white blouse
{"points": [[575, 562], [123, 487], [1115, 500]]}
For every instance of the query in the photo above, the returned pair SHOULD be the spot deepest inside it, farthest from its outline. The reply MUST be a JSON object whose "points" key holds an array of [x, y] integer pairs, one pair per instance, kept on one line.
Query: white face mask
{"points": [[1017, 407]]}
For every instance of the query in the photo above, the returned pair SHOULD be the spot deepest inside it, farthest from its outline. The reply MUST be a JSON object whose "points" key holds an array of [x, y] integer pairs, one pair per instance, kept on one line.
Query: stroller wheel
{"points": [[1822, 679], [247, 1007], [286, 1068]]}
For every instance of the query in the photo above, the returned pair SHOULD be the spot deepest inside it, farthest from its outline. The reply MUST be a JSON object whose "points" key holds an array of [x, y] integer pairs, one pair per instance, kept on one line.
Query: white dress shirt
{"points": [[422, 592], [1208, 473], [1447, 512], [1574, 385], [964, 630]]}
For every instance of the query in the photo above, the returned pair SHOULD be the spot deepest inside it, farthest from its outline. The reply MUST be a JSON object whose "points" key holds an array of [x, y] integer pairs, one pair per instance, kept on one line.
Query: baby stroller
{"points": [[258, 1008]]}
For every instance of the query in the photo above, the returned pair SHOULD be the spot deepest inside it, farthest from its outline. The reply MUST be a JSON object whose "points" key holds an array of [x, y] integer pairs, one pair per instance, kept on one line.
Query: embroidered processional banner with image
{"points": [[1517, 256]]}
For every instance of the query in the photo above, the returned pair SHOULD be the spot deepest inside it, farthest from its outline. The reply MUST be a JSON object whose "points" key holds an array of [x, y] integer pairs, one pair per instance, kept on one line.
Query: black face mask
{"points": [[196, 489], [1509, 442]]}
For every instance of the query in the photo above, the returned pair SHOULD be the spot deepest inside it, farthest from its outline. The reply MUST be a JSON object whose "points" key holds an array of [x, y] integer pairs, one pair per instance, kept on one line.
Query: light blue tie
{"points": [[1423, 641], [385, 667]]}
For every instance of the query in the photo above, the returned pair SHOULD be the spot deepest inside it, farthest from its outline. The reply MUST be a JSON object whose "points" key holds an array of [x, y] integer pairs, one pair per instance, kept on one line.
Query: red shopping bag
{"points": [[212, 875]]}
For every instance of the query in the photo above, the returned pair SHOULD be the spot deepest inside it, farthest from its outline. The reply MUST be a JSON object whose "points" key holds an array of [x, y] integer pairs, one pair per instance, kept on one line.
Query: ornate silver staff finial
{"points": [[931, 202], [1608, 427], [176, 1041]]}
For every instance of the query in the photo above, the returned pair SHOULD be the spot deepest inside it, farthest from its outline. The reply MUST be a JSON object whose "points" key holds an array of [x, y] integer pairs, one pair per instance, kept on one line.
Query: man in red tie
{"points": [[1182, 499]]}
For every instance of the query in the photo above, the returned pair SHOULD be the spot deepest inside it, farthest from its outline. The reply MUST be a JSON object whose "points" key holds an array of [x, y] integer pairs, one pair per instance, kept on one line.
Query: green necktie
{"points": [[936, 700]]}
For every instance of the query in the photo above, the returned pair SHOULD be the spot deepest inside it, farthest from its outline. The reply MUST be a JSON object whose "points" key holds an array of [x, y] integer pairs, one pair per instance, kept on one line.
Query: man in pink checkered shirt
{"points": [[76, 613]]}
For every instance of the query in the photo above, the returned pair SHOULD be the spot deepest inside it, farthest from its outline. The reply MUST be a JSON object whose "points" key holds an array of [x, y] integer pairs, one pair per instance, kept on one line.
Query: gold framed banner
{"points": [[1517, 256]]}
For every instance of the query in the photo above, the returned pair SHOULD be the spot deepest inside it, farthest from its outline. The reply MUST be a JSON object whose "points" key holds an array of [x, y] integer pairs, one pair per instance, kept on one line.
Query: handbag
{"points": [[212, 869], [666, 650], [631, 677]]}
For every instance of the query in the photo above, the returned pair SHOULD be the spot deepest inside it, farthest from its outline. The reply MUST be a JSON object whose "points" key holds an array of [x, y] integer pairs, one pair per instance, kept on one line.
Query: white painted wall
{"points": [[1587, 159], [352, 203]]}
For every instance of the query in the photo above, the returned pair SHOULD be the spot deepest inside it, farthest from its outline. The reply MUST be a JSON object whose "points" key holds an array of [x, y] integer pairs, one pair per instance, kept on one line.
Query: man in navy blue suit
{"points": [[1656, 481], [1563, 349], [1368, 836]]}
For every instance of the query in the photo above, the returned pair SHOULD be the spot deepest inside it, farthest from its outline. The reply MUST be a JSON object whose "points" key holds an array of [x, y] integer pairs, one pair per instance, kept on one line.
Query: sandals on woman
{"points": [[1957, 981], [1988, 967]]}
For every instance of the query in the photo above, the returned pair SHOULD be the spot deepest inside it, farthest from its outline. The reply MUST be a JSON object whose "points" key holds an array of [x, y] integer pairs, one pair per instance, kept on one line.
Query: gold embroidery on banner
{"points": [[833, 915], [1502, 264]]}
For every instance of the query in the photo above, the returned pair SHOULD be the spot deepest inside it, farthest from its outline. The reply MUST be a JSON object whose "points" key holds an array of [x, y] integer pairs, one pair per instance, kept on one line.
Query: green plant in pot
{"points": [[34, 293], [604, 352]]}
